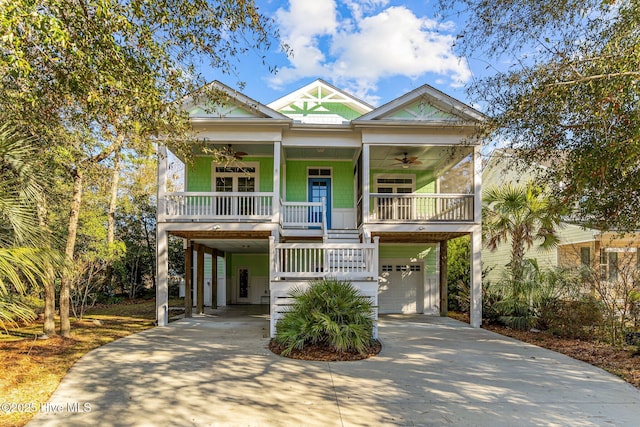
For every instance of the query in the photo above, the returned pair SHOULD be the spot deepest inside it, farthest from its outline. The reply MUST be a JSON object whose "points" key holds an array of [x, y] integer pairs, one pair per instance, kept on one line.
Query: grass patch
{"points": [[33, 368]]}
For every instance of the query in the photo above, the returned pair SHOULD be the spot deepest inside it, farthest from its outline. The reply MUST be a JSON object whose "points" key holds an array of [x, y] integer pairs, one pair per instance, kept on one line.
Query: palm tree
{"points": [[25, 254], [522, 214]]}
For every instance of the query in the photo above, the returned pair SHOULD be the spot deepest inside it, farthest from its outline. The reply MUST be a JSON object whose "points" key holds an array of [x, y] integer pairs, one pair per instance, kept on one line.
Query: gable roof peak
{"points": [[230, 103], [320, 102], [425, 104]]}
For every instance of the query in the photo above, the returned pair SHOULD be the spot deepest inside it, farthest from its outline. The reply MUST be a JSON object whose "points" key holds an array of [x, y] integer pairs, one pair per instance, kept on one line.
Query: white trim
{"points": [[255, 175], [329, 177], [432, 96], [329, 168], [621, 250], [377, 176], [395, 205]]}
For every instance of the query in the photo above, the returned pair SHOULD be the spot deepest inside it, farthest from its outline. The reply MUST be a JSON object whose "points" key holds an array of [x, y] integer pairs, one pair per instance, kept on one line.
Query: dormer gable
{"points": [[320, 103], [425, 105]]}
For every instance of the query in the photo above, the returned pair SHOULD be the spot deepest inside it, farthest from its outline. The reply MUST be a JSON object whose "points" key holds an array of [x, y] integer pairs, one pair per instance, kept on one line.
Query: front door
{"points": [[319, 188], [243, 285]]}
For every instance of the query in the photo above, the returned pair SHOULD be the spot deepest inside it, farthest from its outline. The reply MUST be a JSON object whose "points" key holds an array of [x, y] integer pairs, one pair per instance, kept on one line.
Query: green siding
{"points": [[421, 111], [213, 110], [266, 171], [341, 181], [258, 264], [426, 252], [321, 109], [199, 173]]}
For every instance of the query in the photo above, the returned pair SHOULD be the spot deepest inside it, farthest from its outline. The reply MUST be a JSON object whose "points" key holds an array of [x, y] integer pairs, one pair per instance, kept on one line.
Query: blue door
{"points": [[319, 188]]}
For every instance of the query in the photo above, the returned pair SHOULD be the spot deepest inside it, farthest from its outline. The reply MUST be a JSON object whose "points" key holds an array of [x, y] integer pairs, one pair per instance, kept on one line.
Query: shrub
{"points": [[329, 312], [571, 319]]}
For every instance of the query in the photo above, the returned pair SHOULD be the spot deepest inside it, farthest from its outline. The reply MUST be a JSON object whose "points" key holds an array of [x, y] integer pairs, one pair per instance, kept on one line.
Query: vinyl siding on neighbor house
{"points": [[546, 258], [504, 168]]}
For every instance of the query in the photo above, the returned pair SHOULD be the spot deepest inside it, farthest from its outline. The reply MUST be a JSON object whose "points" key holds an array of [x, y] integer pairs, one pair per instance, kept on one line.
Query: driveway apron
{"points": [[215, 370]]}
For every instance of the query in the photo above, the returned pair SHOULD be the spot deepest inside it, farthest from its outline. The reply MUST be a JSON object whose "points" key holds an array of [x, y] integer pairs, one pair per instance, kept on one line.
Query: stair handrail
{"points": [[325, 232]]}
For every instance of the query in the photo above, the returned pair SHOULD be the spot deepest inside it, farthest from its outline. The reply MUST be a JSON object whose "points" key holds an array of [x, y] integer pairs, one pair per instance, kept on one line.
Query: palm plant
{"points": [[522, 214], [329, 312], [520, 304], [25, 257]]}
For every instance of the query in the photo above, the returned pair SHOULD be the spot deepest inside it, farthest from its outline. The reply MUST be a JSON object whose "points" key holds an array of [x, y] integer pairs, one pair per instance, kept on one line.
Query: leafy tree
{"points": [[90, 78], [458, 272], [137, 225], [567, 96], [521, 215]]}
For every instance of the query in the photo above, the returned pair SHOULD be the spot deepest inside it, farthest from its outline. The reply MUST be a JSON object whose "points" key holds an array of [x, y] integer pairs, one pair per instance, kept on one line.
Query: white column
{"points": [[276, 181], [162, 268], [476, 277], [272, 298], [162, 182], [365, 183], [477, 184]]}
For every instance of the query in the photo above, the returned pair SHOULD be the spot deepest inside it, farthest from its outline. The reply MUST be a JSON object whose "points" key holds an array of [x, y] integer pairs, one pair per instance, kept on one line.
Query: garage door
{"points": [[401, 287]]}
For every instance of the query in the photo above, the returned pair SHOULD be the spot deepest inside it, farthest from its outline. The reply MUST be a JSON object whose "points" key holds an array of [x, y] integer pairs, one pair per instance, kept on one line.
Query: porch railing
{"points": [[303, 214], [421, 207], [353, 261], [219, 205]]}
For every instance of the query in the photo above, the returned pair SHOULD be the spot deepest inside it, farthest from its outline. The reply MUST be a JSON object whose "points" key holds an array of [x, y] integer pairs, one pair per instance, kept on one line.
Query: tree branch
{"points": [[595, 77]]}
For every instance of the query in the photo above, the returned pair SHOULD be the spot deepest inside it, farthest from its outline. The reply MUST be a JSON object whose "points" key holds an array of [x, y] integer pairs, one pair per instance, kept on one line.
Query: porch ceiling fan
{"points": [[231, 154], [407, 161]]}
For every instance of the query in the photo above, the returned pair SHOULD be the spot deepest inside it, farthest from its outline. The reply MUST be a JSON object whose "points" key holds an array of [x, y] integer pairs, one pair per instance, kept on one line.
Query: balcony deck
{"points": [[260, 207]]}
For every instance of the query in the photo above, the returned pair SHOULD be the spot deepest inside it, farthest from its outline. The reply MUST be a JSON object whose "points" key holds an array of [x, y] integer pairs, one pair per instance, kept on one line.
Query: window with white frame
{"points": [[608, 264], [241, 179], [235, 179], [394, 207]]}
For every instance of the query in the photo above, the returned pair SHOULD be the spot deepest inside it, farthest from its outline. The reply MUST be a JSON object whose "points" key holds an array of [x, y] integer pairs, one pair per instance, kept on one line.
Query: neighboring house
{"points": [[321, 184], [579, 246]]}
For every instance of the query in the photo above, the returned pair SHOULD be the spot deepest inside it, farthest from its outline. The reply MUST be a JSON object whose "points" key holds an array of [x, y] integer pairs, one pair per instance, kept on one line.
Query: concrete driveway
{"points": [[216, 371]]}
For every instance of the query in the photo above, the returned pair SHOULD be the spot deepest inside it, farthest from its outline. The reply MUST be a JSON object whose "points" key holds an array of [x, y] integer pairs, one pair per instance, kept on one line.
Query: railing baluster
{"points": [[422, 207]]}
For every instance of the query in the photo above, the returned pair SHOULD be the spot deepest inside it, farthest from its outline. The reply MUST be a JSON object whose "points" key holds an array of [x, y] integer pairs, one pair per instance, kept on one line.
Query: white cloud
{"points": [[302, 26], [358, 50]]}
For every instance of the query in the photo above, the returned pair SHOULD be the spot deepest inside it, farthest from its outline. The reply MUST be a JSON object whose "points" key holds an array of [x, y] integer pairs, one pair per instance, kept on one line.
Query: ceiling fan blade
{"points": [[400, 160], [412, 159], [416, 162], [241, 153]]}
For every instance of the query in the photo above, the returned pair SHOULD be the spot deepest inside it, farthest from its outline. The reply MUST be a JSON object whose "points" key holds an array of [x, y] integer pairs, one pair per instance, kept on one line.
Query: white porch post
{"points": [[162, 182], [477, 184], [162, 282], [272, 275], [276, 181], [162, 243], [365, 183], [476, 277]]}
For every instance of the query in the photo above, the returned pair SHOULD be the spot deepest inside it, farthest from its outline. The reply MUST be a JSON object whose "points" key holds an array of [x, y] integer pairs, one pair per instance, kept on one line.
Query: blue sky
{"points": [[376, 50]]}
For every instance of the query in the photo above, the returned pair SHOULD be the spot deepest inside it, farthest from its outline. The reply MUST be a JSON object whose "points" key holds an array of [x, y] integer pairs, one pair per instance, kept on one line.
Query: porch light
{"points": [[405, 166]]}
